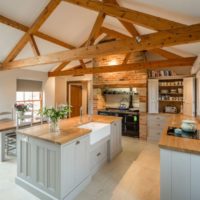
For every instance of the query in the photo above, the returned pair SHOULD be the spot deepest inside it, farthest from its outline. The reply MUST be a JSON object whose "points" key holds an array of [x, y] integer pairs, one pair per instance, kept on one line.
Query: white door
{"points": [[189, 96], [153, 95]]}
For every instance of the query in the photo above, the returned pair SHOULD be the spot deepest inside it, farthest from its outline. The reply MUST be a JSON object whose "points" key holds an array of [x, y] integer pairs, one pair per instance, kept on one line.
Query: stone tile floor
{"points": [[133, 175]]}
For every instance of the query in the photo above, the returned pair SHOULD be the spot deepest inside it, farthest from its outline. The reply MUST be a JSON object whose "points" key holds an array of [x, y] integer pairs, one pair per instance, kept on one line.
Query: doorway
{"points": [[77, 97]]}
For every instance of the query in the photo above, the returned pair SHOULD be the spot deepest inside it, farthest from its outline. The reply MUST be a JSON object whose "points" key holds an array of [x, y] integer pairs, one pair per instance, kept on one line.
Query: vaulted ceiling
{"points": [[70, 26]]}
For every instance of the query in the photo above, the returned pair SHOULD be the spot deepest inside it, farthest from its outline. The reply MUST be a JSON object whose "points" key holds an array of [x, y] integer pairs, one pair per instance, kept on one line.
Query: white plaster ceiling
{"points": [[73, 24], [70, 23], [8, 39], [24, 11]]}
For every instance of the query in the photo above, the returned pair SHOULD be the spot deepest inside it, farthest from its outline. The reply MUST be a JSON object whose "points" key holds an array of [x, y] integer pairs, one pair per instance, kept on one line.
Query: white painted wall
{"points": [[8, 81], [61, 89]]}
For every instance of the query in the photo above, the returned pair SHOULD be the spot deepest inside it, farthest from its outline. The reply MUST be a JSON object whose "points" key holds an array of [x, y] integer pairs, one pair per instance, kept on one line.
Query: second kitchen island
{"points": [[59, 167]]}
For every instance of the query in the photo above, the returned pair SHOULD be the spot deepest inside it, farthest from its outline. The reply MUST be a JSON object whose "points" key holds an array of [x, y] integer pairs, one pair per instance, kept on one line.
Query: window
{"points": [[33, 99]]}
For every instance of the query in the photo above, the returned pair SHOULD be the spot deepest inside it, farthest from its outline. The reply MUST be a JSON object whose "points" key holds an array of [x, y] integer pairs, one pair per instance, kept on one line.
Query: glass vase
{"points": [[20, 116], [54, 127]]}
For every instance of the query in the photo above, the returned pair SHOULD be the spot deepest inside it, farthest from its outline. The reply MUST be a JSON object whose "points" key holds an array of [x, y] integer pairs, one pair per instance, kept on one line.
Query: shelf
{"points": [[170, 101], [169, 77], [171, 94], [170, 86]]}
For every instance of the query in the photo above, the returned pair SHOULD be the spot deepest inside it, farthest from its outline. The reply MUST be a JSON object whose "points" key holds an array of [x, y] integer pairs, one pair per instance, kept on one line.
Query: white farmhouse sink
{"points": [[99, 131]]}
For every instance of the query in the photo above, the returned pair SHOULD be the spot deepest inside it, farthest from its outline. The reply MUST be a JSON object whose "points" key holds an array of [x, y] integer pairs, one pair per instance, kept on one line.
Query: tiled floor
{"points": [[133, 175]]}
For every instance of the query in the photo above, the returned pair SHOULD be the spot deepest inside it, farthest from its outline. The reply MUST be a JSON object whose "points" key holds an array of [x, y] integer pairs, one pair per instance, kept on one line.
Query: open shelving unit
{"points": [[170, 93]]}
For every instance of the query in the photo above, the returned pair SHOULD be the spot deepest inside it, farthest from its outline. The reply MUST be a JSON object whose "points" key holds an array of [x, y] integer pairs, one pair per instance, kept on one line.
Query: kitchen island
{"points": [[179, 163], [59, 167]]}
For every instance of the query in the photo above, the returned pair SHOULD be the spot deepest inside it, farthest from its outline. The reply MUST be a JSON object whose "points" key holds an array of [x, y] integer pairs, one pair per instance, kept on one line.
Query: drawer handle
{"points": [[77, 142], [98, 154]]}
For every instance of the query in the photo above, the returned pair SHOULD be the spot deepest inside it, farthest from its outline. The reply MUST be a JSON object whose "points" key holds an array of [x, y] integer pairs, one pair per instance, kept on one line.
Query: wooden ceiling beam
{"points": [[125, 14], [36, 25], [184, 35], [12, 23], [34, 46], [127, 56], [39, 34], [113, 33], [61, 66], [128, 26], [82, 64], [53, 40], [128, 67], [161, 52], [96, 29], [164, 53]]}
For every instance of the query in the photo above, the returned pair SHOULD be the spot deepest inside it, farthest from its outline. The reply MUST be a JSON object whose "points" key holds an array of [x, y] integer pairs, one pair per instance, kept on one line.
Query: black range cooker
{"points": [[130, 120]]}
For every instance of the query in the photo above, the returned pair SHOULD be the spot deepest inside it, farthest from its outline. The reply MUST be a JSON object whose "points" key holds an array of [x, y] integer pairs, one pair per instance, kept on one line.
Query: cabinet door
{"points": [[68, 168], [180, 166], [195, 177], [189, 96], [153, 95], [119, 136], [81, 159], [198, 96], [113, 140]]}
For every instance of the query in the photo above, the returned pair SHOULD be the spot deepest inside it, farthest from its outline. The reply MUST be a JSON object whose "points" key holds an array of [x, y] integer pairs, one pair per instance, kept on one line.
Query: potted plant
{"points": [[54, 115], [21, 109]]}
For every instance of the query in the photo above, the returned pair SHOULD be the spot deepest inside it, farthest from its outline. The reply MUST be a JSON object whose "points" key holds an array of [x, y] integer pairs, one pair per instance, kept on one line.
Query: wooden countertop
{"points": [[68, 129], [11, 124], [178, 143]]}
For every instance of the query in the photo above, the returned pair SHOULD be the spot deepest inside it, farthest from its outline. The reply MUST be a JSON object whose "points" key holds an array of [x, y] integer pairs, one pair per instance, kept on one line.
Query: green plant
{"points": [[54, 114]]}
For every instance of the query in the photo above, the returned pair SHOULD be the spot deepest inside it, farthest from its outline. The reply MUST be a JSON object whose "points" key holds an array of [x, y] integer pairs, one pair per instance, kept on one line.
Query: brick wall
{"points": [[137, 78]]}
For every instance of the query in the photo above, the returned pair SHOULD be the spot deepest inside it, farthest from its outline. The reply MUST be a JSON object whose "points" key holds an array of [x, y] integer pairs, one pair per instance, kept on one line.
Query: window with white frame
{"points": [[33, 99]]}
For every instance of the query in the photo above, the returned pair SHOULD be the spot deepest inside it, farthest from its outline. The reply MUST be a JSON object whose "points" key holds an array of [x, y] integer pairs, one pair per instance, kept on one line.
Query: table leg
{"points": [[2, 147]]}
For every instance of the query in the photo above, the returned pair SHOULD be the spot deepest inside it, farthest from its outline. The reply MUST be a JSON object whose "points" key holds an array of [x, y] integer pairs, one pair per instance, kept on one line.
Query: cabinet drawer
{"points": [[98, 154], [156, 125], [157, 117], [154, 132]]}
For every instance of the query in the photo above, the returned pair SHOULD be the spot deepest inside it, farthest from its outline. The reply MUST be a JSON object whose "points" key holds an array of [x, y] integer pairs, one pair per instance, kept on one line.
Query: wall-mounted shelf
{"points": [[170, 100]]}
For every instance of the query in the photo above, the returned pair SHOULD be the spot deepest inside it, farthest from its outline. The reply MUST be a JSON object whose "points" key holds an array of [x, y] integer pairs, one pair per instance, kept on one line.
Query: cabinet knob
{"points": [[77, 142], [98, 154]]}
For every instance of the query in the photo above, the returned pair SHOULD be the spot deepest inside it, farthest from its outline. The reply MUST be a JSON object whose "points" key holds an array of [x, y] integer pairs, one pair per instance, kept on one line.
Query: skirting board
{"points": [[45, 196]]}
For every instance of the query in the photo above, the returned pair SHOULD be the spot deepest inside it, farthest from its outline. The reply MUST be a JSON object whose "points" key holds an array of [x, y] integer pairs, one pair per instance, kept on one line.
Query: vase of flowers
{"points": [[21, 109], [54, 115]]}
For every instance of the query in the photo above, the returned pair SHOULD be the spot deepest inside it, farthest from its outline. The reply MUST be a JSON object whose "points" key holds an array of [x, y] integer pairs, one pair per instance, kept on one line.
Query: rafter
{"points": [[126, 58], [165, 53], [161, 52], [61, 66], [82, 64], [128, 15], [96, 29], [39, 34], [93, 35], [36, 25], [128, 26], [34, 46], [128, 67], [113, 33], [189, 34]]}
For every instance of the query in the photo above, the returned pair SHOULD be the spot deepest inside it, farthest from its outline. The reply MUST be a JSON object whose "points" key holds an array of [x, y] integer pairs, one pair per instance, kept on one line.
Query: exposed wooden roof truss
{"points": [[168, 33]]}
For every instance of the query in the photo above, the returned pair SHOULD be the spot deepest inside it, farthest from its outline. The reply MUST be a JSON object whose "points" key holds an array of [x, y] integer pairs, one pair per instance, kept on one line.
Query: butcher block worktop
{"points": [[178, 143], [68, 129]]}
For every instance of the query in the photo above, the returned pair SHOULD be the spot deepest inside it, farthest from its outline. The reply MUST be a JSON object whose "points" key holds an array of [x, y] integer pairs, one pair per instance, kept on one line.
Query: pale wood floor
{"points": [[133, 175]]}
